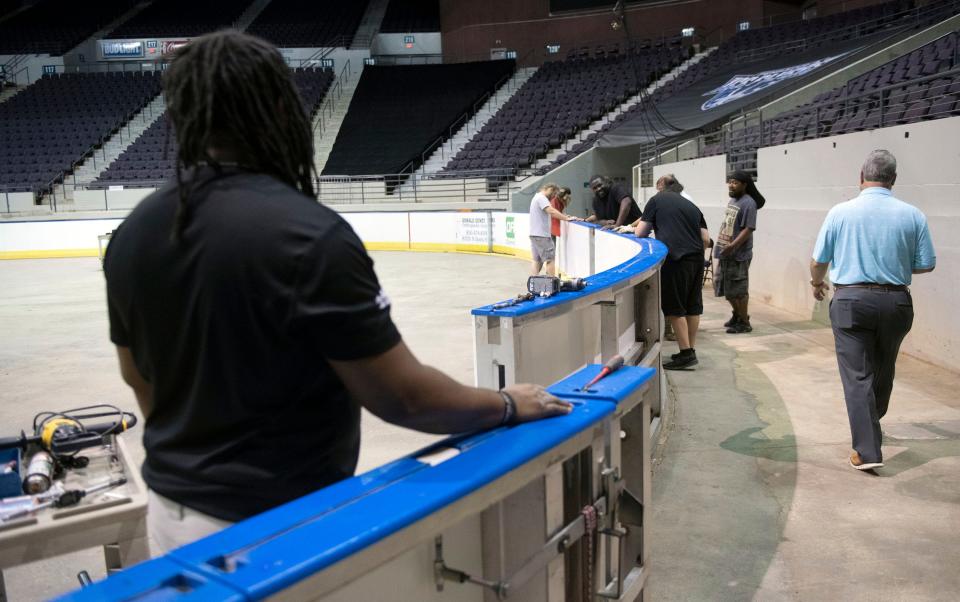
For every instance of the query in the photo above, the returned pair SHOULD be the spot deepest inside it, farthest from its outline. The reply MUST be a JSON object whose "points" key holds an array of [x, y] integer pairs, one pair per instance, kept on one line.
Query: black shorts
{"points": [[681, 286]]}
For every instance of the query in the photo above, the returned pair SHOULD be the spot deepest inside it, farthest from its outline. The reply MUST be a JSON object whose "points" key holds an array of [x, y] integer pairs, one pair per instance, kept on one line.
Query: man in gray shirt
{"points": [[734, 248]]}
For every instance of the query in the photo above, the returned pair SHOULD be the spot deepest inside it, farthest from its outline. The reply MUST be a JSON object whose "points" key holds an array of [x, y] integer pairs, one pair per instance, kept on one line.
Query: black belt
{"points": [[899, 288]]}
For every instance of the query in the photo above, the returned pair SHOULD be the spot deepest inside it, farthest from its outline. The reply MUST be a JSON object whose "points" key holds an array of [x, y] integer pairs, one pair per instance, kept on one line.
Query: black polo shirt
{"points": [[609, 207], [233, 326], [676, 222]]}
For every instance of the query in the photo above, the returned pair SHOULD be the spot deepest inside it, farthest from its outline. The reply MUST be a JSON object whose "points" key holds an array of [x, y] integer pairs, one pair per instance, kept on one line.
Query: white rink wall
{"points": [[803, 180]]}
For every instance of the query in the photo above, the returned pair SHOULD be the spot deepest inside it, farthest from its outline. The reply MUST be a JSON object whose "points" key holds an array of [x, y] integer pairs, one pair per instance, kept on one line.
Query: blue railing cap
{"points": [[283, 546], [650, 253]]}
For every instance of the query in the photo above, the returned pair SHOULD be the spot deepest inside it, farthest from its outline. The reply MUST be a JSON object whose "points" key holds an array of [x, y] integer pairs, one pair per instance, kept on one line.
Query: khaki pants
{"points": [[171, 525]]}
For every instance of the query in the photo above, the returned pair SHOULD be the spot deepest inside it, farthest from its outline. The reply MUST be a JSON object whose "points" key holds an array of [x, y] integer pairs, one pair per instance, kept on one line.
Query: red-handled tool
{"points": [[612, 365]]}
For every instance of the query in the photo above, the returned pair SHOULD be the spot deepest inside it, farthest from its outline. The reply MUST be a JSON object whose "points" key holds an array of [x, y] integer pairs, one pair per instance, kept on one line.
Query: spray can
{"points": [[39, 473]]}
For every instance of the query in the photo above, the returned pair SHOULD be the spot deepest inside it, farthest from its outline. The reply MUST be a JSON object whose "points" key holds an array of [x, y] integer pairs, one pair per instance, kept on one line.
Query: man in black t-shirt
{"points": [[613, 206], [679, 224], [247, 317]]}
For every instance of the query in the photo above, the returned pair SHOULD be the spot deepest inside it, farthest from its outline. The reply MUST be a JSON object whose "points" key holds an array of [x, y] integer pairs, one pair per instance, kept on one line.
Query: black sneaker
{"points": [[682, 363], [740, 328], [683, 353], [731, 321]]}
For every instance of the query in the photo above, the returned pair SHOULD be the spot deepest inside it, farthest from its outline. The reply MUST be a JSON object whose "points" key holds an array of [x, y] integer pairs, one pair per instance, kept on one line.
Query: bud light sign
{"points": [[121, 49]]}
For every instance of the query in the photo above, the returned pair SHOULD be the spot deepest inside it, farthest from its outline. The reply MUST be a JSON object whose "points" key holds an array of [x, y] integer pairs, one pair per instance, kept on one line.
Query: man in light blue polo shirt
{"points": [[872, 245]]}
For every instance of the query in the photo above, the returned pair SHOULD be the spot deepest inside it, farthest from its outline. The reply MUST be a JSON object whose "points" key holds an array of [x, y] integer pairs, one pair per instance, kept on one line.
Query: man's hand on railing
{"points": [[533, 403]]}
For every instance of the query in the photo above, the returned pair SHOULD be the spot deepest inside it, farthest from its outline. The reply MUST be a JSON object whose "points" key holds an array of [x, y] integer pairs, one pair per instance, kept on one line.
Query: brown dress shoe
{"points": [[859, 464]]}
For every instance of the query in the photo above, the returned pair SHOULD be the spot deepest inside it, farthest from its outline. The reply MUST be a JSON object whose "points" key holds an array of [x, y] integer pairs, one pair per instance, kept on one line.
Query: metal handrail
{"points": [[498, 172], [342, 41], [487, 185], [955, 60], [725, 139], [871, 98], [91, 152], [725, 132], [111, 67], [453, 128], [430, 148], [17, 73], [15, 61], [494, 185], [328, 104]]}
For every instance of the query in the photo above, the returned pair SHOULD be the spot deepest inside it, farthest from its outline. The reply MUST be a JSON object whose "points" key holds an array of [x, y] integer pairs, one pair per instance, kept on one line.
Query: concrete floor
{"points": [[753, 497]]}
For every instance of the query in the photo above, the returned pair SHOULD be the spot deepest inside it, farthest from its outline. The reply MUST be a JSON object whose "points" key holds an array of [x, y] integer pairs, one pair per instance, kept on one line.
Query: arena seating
{"points": [[561, 98], [758, 44], [921, 85], [55, 26], [152, 156], [755, 44], [181, 18], [61, 118], [398, 111], [309, 24], [406, 16], [918, 86]]}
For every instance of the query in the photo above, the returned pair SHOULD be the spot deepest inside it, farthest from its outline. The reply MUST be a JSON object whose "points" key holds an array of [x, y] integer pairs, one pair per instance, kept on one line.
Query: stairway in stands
{"points": [[88, 171], [329, 118], [12, 68], [455, 144], [9, 91], [612, 115]]}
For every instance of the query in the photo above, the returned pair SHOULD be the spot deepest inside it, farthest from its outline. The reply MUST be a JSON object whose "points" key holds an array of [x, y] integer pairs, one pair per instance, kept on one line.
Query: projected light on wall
{"points": [[687, 32]]}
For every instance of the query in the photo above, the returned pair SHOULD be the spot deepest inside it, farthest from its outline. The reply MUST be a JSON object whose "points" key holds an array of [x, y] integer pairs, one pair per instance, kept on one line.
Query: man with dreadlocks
{"points": [[247, 317], [734, 249]]}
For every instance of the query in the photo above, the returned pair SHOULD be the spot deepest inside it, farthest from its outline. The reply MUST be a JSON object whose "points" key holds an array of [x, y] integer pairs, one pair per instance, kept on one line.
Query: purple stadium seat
{"points": [[916, 111], [152, 156], [923, 84]]}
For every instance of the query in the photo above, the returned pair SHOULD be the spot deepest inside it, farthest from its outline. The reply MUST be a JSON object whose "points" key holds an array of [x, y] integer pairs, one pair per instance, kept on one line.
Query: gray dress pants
{"points": [[868, 327]]}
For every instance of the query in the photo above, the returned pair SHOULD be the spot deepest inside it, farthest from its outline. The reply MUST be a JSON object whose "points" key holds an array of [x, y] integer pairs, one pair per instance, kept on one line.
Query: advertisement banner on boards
{"points": [[473, 230], [168, 46], [121, 49]]}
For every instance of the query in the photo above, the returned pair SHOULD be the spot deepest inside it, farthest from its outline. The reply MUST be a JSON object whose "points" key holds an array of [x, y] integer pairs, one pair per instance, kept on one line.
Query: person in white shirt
{"points": [[541, 244]]}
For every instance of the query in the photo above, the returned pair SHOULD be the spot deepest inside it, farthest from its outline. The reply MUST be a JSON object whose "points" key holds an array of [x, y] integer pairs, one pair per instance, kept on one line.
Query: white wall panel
{"points": [[53, 235], [803, 180]]}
